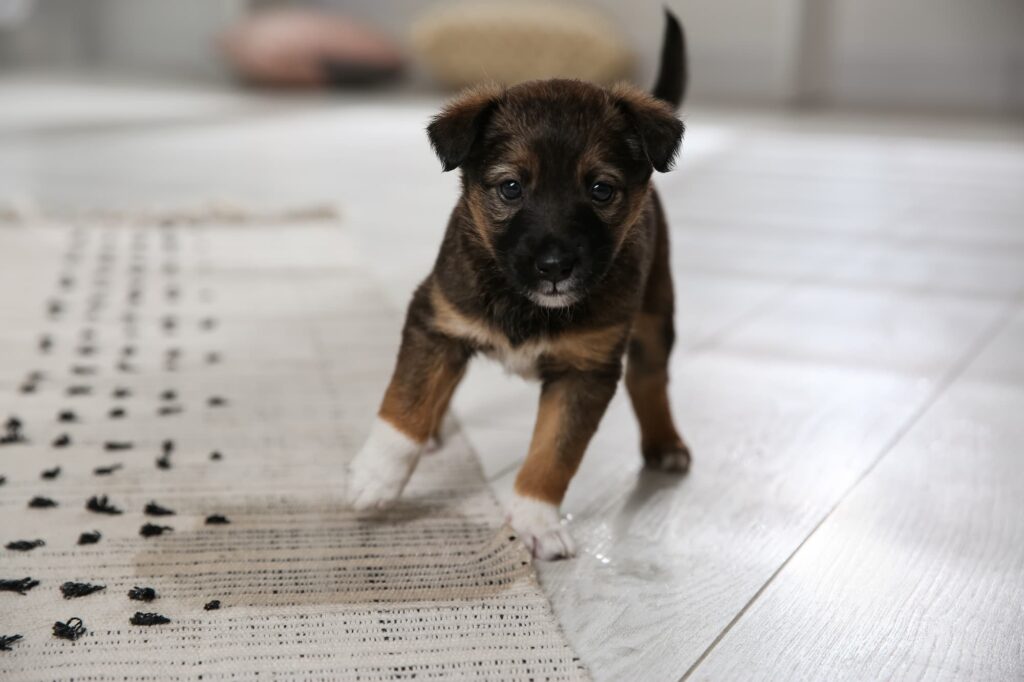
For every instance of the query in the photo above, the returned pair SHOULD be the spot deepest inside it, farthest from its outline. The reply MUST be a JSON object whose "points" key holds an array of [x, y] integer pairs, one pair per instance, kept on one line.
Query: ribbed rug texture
{"points": [[178, 405]]}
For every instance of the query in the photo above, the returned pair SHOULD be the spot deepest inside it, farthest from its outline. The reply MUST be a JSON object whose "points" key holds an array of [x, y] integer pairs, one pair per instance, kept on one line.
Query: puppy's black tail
{"points": [[672, 72]]}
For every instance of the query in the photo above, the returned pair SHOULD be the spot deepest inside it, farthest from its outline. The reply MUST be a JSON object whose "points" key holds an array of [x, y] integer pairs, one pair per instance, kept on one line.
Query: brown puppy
{"points": [[555, 262]]}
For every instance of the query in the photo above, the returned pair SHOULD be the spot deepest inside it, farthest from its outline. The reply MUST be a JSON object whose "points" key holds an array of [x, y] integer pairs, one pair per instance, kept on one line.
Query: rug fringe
{"points": [[27, 212]]}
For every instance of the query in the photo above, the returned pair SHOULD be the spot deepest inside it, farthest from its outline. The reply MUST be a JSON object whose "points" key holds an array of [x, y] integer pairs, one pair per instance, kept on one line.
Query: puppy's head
{"points": [[555, 174]]}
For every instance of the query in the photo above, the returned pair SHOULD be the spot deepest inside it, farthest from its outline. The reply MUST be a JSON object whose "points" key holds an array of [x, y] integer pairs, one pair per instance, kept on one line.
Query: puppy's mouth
{"points": [[555, 295]]}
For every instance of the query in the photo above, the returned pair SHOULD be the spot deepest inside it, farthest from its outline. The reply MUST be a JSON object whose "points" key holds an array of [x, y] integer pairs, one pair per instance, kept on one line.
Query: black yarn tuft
{"points": [[24, 545], [212, 605], [62, 441], [41, 502], [89, 538], [217, 520], [154, 509], [112, 445], [151, 529], [148, 619], [20, 586], [72, 590], [101, 505], [106, 471], [50, 474], [71, 630], [142, 594], [67, 416], [7, 640]]}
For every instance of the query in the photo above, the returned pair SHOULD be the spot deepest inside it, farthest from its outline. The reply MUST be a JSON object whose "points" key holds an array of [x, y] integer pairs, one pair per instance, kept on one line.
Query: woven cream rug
{"points": [[178, 405]]}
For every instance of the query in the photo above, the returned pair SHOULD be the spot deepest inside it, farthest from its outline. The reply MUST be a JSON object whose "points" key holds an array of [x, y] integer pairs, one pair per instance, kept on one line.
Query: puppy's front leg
{"points": [[430, 365], [571, 406]]}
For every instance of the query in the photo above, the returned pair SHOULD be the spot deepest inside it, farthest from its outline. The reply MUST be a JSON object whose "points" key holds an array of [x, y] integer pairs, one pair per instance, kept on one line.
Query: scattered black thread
{"points": [[72, 630], [163, 461], [54, 307], [3, 479], [28, 387], [216, 456], [79, 390], [20, 586], [72, 590], [151, 529], [142, 594], [120, 393], [67, 416], [216, 401], [128, 351], [169, 395], [83, 370], [50, 474], [208, 323], [45, 343], [106, 471], [212, 358], [101, 505], [41, 503], [168, 410], [148, 619], [67, 282], [7, 640], [13, 434], [62, 441], [86, 350], [114, 445], [117, 413], [89, 538], [126, 367], [217, 520], [154, 509], [24, 545], [212, 605]]}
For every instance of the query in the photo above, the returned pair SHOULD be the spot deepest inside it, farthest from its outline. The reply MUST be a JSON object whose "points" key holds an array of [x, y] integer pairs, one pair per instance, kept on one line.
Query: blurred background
{"points": [[953, 55]]}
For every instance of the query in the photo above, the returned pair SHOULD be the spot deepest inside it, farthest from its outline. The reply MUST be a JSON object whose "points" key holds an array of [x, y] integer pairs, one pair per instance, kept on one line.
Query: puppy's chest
{"points": [[581, 349], [522, 360]]}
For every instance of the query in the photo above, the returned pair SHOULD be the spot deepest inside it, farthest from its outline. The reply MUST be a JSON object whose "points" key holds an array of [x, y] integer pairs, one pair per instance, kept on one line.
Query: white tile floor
{"points": [[849, 373]]}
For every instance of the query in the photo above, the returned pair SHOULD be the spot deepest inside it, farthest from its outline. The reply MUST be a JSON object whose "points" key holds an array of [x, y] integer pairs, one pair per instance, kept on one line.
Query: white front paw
{"points": [[540, 528], [380, 471]]}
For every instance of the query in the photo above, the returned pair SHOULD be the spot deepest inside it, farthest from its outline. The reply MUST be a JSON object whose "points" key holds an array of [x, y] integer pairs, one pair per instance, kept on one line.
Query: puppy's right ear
{"points": [[453, 131]]}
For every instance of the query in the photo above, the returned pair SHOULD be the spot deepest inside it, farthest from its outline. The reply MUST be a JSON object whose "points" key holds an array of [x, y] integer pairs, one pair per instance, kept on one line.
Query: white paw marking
{"points": [[676, 461], [540, 528], [380, 471]]}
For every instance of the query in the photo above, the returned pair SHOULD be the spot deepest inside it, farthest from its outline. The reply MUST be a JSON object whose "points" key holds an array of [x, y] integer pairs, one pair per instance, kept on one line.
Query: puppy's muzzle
{"points": [[556, 264]]}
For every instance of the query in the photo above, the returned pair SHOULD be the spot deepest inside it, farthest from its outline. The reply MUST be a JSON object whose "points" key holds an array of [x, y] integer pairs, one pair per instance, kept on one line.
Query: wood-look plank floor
{"points": [[849, 370]]}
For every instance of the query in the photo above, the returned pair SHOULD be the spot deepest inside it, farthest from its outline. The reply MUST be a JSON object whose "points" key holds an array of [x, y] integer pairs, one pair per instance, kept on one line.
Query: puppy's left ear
{"points": [[659, 130], [453, 131]]}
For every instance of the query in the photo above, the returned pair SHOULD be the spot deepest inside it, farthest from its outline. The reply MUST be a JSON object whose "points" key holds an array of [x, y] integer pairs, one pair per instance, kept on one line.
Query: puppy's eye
{"points": [[601, 192], [510, 190]]}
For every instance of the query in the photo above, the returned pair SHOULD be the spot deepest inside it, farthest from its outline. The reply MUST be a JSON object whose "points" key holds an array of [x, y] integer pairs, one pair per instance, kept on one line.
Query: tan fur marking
{"points": [[546, 473], [417, 411], [647, 383]]}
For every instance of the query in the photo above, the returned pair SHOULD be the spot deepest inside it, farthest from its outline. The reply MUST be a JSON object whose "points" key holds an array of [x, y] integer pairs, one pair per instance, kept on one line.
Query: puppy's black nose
{"points": [[555, 264]]}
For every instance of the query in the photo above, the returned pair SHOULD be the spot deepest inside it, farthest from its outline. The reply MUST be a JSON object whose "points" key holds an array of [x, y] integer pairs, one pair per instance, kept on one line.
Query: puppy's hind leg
{"points": [[430, 366], [647, 368]]}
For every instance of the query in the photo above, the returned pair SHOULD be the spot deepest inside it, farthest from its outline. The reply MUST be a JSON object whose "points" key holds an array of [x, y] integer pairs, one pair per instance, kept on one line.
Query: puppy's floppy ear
{"points": [[453, 131], [659, 129]]}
